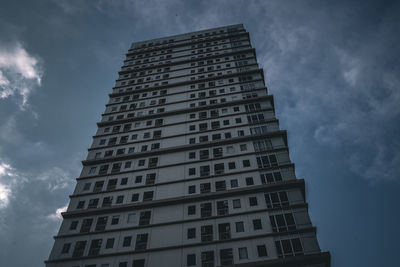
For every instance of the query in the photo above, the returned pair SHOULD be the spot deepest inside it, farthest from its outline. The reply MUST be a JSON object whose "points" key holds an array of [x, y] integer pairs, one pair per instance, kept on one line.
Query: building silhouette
{"points": [[189, 166]]}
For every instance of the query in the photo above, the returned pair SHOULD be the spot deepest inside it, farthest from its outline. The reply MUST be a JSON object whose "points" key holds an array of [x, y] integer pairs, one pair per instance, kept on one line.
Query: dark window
{"points": [[93, 203], [124, 181], [192, 189], [115, 220], [217, 152], [226, 256], [204, 154], [148, 196], [191, 259], [138, 179], [127, 241], [262, 251], [222, 207], [219, 168], [79, 249], [205, 210], [74, 225], [253, 201], [224, 231], [231, 165], [220, 186], [236, 204], [246, 163], [150, 178], [191, 210], [192, 155], [144, 218], [66, 247], [239, 227], [138, 263], [207, 259], [95, 246], [112, 184], [206, 233], [141, 241], [257, 224], [205, 188], [107, 201], [191, 233], [110, 243], [249, 181], [86, 224], [101, 223], [204, 170]]}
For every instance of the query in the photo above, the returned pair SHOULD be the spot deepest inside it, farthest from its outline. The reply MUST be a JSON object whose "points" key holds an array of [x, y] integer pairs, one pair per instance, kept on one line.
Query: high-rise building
{"points": [[189, 166]]}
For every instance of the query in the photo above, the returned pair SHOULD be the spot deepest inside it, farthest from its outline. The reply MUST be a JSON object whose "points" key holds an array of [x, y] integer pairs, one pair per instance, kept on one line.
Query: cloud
{"points": [[20, 73], [56, 216]]}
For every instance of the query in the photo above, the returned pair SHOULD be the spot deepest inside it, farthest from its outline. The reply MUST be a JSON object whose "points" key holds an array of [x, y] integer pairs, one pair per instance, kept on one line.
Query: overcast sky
{"points": [[333, 68]]}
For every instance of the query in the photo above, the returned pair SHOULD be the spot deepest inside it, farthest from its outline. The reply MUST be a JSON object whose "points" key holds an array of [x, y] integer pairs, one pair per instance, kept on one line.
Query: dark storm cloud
{"points": [[333, 68]]}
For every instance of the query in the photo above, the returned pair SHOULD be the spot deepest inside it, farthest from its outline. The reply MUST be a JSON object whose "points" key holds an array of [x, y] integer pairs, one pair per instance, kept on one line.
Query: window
{"points": [[79, 249], [66, 247], [234, 183], [224, 231], [74, 225], [124, 181], [222, 207], [148, 196], [204, 154], [192, 189], [127, 241], [138, 179], [267, 178], [141, 162], [192, 155], [276, 199], [191, 210], [205, 210], [243, 253], [243, 147], [217, 152], [205, 188], [239, 227], [150, 178], [246, 163], [191, 233], [262, 251], [153, 162], [220, 186], [120, 199], [95, 246], [110, 243], [191, 259], [112, 184], [192, 171], [206, 233], [115, 220], [138, 263], [107, 201], [257, 224], [135, 197], [249, 181], [141, 241], [131, 218], [101, 223], [93, 203], [226, 256], [232, 165], [207, 258], [253, 201], [282, 222], [236, 204], [267, 161], [144, 218], [204, 170], [230, 150], [98, 186], [128, 164]]}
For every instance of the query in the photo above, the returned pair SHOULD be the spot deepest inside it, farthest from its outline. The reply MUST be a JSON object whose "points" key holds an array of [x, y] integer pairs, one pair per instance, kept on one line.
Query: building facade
{"points": [[189, 166]]}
